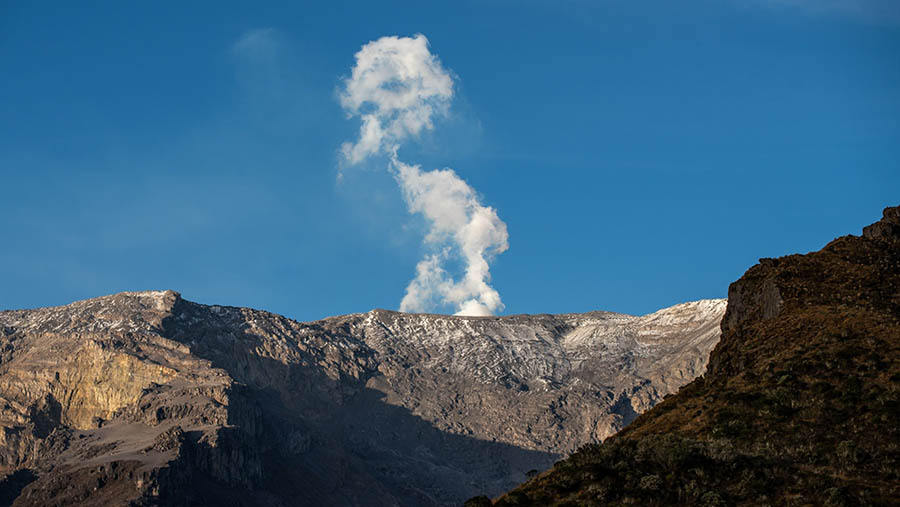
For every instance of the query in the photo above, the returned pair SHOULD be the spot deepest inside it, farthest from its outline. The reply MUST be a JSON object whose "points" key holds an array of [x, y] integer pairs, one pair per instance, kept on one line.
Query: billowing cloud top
{"points": [[397, 87]]}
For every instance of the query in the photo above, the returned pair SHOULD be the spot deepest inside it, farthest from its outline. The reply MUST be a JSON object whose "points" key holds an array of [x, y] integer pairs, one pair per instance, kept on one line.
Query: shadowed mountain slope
{"points": [[800, 404], [148, 399]]}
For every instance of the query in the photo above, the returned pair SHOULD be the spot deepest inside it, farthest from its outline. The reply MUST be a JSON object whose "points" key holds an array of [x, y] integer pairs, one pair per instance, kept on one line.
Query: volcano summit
{"points": [[149, 399]]}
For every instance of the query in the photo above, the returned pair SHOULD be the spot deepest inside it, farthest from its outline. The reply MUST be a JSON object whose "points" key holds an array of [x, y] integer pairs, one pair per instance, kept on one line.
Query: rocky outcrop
{"points": [[887, 229], [799, 405], [149, 399]]}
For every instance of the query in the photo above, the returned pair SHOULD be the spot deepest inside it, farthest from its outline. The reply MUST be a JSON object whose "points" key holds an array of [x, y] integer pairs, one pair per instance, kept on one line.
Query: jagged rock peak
{"points": [[886, 229], [125, 311]]}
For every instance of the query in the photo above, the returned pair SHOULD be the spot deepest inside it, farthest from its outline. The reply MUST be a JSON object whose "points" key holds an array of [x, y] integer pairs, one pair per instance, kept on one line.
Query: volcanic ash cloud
{"points": [[397, 88]]}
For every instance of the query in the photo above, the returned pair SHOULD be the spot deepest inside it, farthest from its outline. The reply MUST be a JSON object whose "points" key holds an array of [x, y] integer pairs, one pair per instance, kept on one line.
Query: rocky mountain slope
{"points": [[800, 405], [149, 399]]}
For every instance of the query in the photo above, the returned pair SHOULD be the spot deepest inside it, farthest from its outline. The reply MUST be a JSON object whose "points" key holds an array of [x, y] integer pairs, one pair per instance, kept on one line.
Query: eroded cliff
{"points": [[149, 399]]}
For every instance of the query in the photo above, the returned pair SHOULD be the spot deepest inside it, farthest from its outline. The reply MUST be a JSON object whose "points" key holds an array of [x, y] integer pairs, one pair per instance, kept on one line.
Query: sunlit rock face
{"points": [[152, 399]]}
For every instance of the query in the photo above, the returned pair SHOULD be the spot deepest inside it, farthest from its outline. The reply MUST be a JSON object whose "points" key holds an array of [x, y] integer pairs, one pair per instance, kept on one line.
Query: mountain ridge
{"points": [[799, 404], [149, 399]]}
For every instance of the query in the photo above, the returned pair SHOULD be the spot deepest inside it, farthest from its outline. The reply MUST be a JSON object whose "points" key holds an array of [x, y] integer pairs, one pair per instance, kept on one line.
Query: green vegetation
{"points": [[800, 406]]}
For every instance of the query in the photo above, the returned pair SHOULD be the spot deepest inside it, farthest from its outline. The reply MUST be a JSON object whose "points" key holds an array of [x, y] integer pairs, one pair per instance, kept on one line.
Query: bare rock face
{"points": [[887, 229], [149, 399]]}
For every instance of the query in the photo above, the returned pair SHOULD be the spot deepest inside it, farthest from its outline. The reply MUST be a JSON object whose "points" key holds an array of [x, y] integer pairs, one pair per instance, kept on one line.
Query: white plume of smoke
{"points": [[397, 88], [459, 225]]}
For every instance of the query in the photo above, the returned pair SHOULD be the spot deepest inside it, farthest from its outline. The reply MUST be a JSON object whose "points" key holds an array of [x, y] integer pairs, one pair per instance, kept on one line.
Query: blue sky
{"points": [[641, 154]]}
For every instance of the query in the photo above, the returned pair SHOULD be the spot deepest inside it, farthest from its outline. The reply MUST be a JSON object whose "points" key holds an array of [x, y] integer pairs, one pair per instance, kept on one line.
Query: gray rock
{"points": [[149, 399]]}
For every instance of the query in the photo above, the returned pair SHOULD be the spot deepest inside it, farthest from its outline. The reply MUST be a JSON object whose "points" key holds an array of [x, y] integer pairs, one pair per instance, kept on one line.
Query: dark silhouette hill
{"points": [[800, 404]]}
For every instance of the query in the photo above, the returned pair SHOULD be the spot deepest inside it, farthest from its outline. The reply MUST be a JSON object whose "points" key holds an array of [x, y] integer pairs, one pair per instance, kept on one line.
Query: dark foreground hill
{"points": [[148, 399], [800, 404]]}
